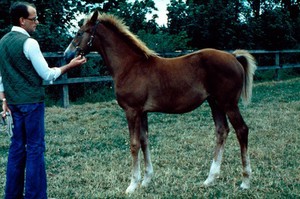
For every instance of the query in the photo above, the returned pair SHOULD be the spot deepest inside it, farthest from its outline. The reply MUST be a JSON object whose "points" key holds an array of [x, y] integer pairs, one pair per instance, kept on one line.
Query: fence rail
{"points": [[65, 81]]}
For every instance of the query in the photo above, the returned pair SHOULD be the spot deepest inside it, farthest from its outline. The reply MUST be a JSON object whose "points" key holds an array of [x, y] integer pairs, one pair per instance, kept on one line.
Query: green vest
{"points": [[21, 82]]}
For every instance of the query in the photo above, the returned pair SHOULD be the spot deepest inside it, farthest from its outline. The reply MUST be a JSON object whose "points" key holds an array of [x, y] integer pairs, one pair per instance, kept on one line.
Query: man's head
{"points": [[24, 14]]}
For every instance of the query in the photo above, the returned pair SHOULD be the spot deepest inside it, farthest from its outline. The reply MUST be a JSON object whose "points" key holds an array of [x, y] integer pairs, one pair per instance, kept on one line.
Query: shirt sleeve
{"points": [[1, 84], [33, 53]]}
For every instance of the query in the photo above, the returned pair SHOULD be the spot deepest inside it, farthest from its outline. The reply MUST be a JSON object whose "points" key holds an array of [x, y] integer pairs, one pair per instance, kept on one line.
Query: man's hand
{"points": [[5, 109], [77, 61]]}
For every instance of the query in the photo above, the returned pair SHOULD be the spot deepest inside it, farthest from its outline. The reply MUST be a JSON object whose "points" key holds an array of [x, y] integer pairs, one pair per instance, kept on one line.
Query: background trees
{"points": [[192, 24], [229, 24]]}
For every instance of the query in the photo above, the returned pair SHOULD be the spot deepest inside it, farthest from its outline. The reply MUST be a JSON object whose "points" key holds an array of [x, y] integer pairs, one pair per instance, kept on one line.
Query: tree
{"points": [[177, 16], [256, 7], [208, 23], [229, 24], [224, 24], [278, 34], [163, 42], [4, 17], [55, 18], [133, 13]]}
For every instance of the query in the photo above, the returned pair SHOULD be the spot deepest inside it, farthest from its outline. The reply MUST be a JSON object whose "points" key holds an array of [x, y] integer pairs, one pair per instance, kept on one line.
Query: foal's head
{"points": [[82, 43]]}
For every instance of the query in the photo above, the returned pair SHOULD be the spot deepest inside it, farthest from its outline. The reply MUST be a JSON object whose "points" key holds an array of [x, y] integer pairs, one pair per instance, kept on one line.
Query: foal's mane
{"points": [[117, 25]]}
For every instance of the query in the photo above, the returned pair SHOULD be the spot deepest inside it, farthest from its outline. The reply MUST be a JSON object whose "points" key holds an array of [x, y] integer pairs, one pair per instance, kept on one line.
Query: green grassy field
{"points": [[88, 150]]}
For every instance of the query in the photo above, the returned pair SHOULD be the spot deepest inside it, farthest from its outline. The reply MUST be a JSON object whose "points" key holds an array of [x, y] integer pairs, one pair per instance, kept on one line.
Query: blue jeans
{"points": [[26, 162]]}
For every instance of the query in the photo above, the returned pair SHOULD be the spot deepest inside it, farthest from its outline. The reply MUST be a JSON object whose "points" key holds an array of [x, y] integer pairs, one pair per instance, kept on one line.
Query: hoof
{"points": [[207, 183], [147, 180], [210, 181], [132, 187], [145, 183], [245, 185]]}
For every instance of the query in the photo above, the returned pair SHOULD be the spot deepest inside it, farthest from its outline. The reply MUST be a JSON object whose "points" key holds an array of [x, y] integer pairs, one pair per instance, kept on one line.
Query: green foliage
{"points": [[163, 42], [223, 24], [231, 24], [177, 16], [279, 33], [134, 12]]}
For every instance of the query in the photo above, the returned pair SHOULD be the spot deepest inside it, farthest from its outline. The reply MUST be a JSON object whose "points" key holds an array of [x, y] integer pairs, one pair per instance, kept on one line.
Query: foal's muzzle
{"points": [[69, 55]]}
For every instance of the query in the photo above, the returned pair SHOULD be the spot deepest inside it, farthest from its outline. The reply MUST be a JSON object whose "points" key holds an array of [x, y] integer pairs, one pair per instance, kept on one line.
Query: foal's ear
{"points": [[95, 17]]}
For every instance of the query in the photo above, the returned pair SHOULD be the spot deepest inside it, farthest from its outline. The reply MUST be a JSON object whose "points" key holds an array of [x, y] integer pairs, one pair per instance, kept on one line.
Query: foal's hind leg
{"points": [[146, 151], [222, 130], [241, 129]]}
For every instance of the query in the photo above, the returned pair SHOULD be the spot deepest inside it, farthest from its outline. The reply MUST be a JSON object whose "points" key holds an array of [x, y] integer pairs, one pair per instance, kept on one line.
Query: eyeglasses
{"points": [[35, 19]]}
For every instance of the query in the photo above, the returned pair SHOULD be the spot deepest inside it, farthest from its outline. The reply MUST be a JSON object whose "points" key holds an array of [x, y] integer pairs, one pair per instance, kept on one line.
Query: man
{"points": [[23, 68]]}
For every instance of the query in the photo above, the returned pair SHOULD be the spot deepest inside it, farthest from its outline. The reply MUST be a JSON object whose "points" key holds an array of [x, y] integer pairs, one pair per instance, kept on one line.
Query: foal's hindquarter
{"points": [[179, 85]]}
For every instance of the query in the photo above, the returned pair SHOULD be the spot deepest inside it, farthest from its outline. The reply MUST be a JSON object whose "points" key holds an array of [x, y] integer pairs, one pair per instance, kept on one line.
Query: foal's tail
{"points": [[249, 64]]}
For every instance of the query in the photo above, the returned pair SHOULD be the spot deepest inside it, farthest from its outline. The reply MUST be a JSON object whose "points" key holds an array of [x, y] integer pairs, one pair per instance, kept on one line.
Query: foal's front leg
{"points": [[146, 151], [138, 128], [134, 125]]}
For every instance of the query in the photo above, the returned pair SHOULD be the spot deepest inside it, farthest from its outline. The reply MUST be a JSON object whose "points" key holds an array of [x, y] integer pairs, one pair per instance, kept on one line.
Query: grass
{"points": [[88, 150]]}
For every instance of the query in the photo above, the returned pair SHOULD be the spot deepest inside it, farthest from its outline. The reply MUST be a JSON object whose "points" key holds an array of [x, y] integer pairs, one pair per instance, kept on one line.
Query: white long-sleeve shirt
{"points": [[33, 53]]}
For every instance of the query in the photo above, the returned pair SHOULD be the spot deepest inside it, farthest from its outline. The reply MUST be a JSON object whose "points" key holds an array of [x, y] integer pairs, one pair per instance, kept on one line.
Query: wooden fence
{"points": [[65, 81]]}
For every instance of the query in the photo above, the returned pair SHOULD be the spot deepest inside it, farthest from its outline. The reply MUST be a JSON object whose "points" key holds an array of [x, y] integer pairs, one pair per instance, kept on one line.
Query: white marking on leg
{"points": [[246, 174], [148, 168], [136, 176], [214, 171]]}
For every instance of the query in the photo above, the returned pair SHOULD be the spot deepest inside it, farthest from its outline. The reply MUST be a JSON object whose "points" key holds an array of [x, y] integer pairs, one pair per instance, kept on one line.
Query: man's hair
{"points": [[18, 10]]}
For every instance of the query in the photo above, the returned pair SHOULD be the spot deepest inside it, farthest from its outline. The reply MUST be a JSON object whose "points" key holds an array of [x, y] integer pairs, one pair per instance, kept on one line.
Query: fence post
{"points": [[65, 92], [277, 63]]}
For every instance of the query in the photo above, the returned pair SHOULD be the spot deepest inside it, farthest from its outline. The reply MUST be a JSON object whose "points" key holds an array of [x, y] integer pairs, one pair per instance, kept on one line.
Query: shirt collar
{"points": [[19, 29]]}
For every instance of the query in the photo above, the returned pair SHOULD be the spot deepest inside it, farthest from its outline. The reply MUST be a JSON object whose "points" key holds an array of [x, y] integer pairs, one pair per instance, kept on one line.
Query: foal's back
{"points": [[181, 84]]}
